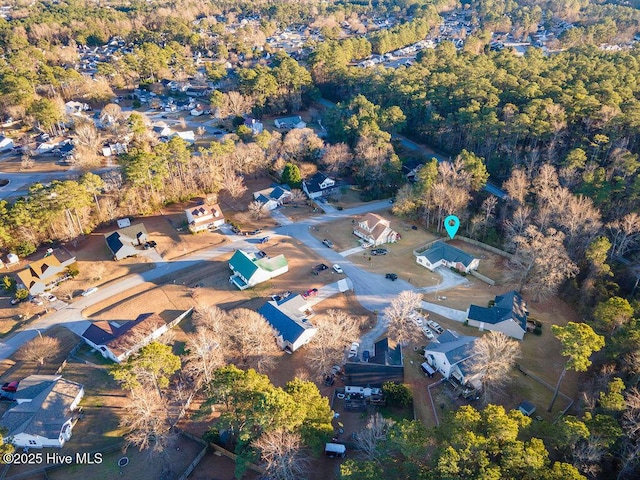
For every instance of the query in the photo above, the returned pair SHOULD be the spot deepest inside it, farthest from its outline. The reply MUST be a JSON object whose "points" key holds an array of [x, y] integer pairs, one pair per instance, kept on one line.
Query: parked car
{"points": [[366, 356], [235, 229], [310, 293], [319, 268], [337, 268], [428, 333], [353, 350], [15, 301], [254, 232], [379, 251], [336, 369], [417, 320], [89, 291], [435, 326], [328, 243], [36, 301], [328, 380], [260, 254], [10, 386], [50, 297], [263, 240], [391, 276]]}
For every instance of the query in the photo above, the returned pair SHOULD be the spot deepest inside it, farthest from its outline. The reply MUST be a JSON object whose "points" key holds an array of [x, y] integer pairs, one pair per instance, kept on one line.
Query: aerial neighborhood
{"points": [[310, 240]]}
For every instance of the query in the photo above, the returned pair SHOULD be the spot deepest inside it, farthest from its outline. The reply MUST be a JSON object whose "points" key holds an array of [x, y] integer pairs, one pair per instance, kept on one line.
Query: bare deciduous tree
{"points": [[297, 196], [257, 209], [399, 313], [337, 158], [369, 438], [147, 421], [236, 104], [494, 355], [39, 350], [517, 186], [281, 452], [205, 354], [541, 263], [336, 329], [631, 417], [234, 184], [253, 339], [625, 233]]}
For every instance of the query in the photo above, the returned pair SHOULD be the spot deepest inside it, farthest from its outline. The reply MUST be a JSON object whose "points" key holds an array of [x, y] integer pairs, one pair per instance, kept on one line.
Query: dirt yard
{"points": [[399, 260]]}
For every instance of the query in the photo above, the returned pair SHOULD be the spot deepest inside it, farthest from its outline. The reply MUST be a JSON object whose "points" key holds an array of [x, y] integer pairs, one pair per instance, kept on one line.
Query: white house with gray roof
{"points": [[290, 318], [443, 254], [272, 197], [450, 354], [508, 315], [44, 413]]}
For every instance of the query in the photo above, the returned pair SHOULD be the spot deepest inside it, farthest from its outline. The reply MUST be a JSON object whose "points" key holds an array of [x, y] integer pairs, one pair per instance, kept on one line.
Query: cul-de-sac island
{"points": [[360, 240]]}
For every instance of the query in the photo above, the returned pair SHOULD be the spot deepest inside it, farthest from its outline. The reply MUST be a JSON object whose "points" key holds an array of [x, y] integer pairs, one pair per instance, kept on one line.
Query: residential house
{"points": [[118, 340], [162, 131], [441, 253], [47, 272], [272, 197], [507, 315], [375, 230], [386, 364], [249, 270], [197, 91], [189, 136], [204, 217], [450, 355], [256, 126], [290, 318], [289, 122], [114, 149], [318, 185], [126, 242], [44, 413], [5, 143], [74, 108]]}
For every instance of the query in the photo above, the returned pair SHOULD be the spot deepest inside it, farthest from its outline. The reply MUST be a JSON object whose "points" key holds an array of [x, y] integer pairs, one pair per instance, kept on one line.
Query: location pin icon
{"points": [[451, 225]]}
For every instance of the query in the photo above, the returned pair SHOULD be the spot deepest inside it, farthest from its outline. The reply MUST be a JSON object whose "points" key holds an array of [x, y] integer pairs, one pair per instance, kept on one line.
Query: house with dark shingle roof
{"points": [[318, 185], [441, 253], [272, 197], [126, 242], [118, 340], [44, 413], [508, 315], [386, 364], [375, 230], [290, 318], [45, 273], [450, 354], [249, 270]]}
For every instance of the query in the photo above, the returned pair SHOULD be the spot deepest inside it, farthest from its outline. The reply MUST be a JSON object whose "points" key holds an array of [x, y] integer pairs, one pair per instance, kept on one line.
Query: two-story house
{"points": [[375, 230]]}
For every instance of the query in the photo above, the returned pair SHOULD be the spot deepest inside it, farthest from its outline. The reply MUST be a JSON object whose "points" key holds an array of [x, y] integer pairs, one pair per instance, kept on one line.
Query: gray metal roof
{"points": [[444, 251], [509, 306]]}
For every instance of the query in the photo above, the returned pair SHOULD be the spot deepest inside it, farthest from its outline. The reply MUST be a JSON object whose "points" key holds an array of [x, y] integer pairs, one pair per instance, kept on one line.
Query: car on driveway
{"points": [[328, 243], [263, 240], [36, 301], [379, 251], [435, 326], [260, 254], [337, 268], [391, 276], [353, 350], [49, 296], [328, 380], [313, 292], [89, 291], [428, 333]]}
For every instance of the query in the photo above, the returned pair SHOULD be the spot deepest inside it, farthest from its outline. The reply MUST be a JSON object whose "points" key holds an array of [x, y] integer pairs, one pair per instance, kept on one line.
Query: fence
{"points": [[482, 277]]}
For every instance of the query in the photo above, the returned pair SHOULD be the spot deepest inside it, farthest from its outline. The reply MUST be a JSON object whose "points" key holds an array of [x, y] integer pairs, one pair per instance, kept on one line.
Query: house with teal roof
{"points": [[248, 270]]}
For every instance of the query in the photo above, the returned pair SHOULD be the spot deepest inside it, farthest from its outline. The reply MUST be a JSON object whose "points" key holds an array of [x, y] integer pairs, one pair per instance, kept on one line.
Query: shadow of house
{"points": [[45, 412], [508, 315], [386, 365], [116, 341], [126, 242]]}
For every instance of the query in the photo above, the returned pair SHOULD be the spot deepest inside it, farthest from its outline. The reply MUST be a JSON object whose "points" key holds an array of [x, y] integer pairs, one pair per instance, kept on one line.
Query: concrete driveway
{"points": [[450, 313]]}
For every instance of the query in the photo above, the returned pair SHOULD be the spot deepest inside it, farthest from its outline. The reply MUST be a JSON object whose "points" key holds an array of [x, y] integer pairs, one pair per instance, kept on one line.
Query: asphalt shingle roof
{"points": [[444, 251], [509, 306], [455, 347], [289, 328]]}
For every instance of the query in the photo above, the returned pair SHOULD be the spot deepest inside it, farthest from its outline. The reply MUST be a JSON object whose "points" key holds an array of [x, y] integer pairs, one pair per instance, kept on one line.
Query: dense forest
{"points": [[558, 129]]}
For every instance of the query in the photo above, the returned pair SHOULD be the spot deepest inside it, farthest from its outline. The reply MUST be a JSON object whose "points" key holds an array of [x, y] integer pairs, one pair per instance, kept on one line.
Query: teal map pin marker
{"points": [[451, 225]]}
